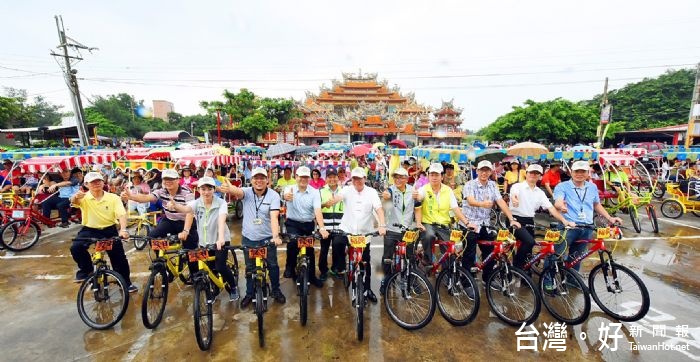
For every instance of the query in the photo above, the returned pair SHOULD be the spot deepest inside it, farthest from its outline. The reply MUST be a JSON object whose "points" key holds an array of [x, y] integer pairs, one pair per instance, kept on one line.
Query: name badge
{"points": [[257, 221], [581, 216]]}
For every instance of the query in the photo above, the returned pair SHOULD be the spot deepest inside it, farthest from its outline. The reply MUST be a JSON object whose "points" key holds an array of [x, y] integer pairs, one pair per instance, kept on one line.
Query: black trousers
{"points": [[58, 203], [469, 257], [338, 241], [173, 227], [79, 251], [300, 229], [390, 240], [526, 236]]}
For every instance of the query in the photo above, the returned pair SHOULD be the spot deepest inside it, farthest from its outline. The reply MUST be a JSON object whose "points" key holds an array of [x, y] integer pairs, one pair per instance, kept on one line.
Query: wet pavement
{"points": [[40, 321]]}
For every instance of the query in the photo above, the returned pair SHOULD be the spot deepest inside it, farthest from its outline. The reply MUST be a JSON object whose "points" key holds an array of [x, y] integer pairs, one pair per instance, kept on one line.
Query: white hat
{"points": [[259, 171], [535, 168], [484, 163], [358, 172], [92, 176], [580, 165], [400, 171], [303, 171], [206, 180], [169, 173], [435, 168]]}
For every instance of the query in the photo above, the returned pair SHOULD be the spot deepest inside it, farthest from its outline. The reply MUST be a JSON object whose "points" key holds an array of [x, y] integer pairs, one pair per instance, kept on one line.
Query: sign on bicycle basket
{"points": [[18, 214], [603, 233], [358, 241], [257, 253], [456, 235], [410, 236], [552, 235], [199, 254], [305, 242], [103, 245], [159, 244], [503, 235]]}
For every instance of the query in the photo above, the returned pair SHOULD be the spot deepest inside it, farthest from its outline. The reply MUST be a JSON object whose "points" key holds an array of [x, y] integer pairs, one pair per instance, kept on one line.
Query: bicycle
{"points": [[408, 287], [168, 264], [511, 293], [207, 285], [104, 287], [144, 223], [607, 278], [568, 290], [355, 274], [24, 231], [261, 286], [453, 282], [302, 270]]}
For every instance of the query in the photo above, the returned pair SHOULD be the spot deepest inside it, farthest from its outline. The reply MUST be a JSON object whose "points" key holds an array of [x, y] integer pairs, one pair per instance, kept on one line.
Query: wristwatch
{"points": [[185, 230]]}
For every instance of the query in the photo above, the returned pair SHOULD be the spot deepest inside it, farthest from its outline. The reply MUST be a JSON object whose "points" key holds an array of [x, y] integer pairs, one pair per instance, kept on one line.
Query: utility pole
{"points": [[605, 116], [694, 114], [71, 79]]}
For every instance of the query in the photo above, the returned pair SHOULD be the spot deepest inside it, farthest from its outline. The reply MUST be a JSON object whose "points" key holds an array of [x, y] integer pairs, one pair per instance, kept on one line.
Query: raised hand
{"points": [[170, 205]]}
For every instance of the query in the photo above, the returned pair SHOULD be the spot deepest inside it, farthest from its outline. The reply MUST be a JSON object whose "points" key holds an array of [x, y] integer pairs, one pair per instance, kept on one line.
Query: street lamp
{"points": [[192, 128]]}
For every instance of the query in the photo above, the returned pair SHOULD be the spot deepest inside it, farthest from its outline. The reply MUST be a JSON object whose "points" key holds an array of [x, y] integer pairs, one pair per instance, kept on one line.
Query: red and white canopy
{"points": [[330, 152], [636, 152], [178, 154], [205, 161], [610, 151], [48, 163], [617, 160], [327, 163], [274, 163], [101, 156]]}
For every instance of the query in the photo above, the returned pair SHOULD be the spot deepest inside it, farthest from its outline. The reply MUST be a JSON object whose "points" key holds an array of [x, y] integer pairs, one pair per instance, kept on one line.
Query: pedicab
{"points": [[622, 171], [24, 230], [684, 193]]}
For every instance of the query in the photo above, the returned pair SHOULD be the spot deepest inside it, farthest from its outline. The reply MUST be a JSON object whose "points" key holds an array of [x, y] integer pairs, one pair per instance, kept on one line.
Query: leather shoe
{"points": [[246, 301], [316, 283], [278, 296], [371, 296], [289, 274]]}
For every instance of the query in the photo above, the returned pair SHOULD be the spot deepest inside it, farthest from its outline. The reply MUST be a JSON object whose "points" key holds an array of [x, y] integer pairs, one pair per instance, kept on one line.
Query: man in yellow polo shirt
{"points": [[100, 211], [286, 180]]}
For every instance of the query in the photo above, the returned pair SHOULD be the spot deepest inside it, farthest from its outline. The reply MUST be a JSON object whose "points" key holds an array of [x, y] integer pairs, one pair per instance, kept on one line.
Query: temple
{"points": [[361, 108]]}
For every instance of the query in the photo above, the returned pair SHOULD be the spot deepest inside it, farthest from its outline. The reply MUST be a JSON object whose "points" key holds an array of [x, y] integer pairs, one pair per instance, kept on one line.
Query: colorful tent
{"points": [[144, 164]]}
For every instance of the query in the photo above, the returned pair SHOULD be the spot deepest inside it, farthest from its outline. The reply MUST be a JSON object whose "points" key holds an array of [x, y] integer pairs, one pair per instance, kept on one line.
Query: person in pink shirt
{"points": [[187, 179], [316, 181]]}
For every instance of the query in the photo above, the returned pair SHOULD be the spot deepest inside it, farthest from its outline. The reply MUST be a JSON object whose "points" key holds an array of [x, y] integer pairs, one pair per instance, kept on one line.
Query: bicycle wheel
{"points": [[410, 300], [634, 216], [569, 301], [239, 209], [452, 296], [203, 318], [259, 311], [155, 297], [359, 306], [20, 235], [102, 299], [512, 296], [651, 212], [672, 209], [303, 281], [619, 292], [347, 277], [142, 230], [660, 190]]}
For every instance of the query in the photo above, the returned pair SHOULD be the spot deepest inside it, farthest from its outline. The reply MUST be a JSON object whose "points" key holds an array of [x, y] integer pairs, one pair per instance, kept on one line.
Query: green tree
{"points": [[257, 124], [105, 127], [558, 120], [119, 109], [43, 113], [11, 112]]}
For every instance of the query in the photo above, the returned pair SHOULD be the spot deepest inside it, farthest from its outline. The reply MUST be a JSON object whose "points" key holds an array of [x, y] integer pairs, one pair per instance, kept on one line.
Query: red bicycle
{"points": [[24, 231]]}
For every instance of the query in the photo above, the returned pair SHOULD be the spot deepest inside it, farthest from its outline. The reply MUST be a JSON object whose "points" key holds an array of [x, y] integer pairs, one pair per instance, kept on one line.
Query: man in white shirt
{"points": [[525, 199], [362, 204]]}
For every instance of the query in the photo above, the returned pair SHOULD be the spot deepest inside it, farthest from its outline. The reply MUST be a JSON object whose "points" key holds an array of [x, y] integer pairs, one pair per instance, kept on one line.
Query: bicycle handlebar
{"points": [[94, 240]]}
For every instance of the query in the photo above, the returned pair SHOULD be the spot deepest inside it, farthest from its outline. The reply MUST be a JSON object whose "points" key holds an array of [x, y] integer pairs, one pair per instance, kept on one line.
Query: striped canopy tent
{"points": [[273, 163], [329, 152], [326, 163], [101, 156], [567, 155], [205, 161], [49, 163], [160, 153], [178, 154], [617, 160], [456, 147], [144, 164], [682, 156], [636, 152], [398, 152], [439, 154], [23, 155], [334, 146], [248, 149], [137, 153]]}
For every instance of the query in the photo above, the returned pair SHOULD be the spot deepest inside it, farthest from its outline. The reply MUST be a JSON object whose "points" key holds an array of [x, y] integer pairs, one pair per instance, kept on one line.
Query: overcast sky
{"points": [[487, 55]]}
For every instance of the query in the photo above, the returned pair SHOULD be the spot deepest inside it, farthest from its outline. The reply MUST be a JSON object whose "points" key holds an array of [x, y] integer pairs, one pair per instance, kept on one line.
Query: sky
{"points": [[486, 55]]}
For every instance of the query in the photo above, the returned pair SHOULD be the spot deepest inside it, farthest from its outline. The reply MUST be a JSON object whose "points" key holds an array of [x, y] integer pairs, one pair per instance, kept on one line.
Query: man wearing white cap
{"points": [[100, 210], [401, 212], [261, 207], [303, 207], [525, 199], [433, 214], [362, 205], [480, 195], [577, 199]]}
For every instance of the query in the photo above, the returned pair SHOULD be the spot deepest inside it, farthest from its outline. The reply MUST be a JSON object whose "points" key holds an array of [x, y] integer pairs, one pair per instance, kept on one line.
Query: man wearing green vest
{"points": [[331, 219], [433, 215]]}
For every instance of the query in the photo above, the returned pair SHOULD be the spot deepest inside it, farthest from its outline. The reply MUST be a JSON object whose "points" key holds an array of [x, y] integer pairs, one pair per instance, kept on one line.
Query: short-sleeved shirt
{"points": [[101, 213], [513, 177], [530, 199], [207, 220], [578, 200], [183, 196], [303, 204], [358, 217], [255, 207], [480, 192], [65, 192], [281, 182], [551, 177], [402, 208]]}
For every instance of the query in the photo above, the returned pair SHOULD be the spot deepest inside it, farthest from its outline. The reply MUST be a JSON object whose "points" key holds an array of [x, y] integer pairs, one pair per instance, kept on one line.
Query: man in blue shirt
{"points": [[577, 199], [66, 188]]}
